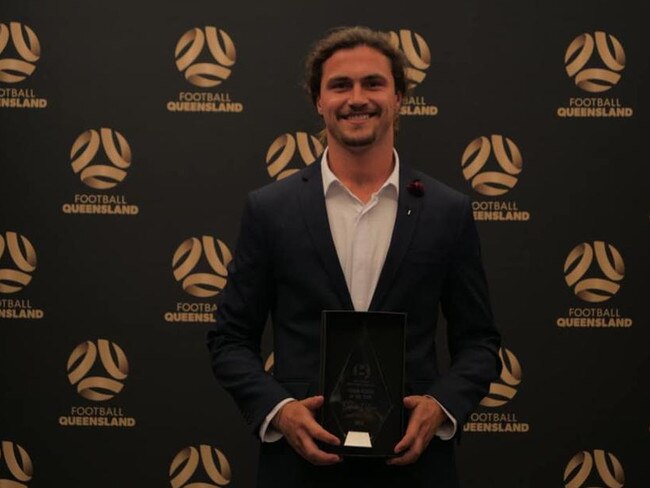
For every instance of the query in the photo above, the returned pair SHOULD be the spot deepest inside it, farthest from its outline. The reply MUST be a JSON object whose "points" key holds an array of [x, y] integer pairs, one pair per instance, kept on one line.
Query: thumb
{"points": [[312, 403], [410, 402]]}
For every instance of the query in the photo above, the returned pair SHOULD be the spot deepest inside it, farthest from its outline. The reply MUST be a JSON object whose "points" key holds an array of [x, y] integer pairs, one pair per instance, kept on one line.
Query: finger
{"points": [[317, 432], [405, 443], [314, 455], [409, 436], [409, 457], [313, 428]]}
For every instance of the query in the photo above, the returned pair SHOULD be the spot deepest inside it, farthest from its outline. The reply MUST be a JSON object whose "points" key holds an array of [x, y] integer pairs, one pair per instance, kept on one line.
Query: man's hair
{"points": [[347, 38]]}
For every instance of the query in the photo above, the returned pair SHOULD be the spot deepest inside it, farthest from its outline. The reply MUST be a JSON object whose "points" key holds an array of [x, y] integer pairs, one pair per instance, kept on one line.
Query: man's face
{"points": [[357, 98]]}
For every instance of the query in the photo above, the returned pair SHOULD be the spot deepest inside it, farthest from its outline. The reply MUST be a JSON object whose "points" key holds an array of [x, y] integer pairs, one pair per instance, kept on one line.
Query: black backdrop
{"points": [[571, 408]]}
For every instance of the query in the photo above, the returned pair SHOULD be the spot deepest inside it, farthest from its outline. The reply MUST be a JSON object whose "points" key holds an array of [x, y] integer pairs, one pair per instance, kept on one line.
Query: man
{"points": [[357, 231]]}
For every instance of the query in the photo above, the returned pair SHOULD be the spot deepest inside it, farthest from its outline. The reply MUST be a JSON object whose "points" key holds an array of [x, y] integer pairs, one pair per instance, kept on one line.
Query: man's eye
{"points": [[339, 85], [374, 83]]}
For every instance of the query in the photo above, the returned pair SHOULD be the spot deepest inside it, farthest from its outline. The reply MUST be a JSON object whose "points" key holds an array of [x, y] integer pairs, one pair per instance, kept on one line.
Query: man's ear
{"points": [[318, 106], [398, 98]]}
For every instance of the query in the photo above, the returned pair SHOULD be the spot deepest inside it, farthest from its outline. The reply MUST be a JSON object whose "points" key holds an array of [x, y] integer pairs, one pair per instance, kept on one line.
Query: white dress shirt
{"points": [[361, 233]]}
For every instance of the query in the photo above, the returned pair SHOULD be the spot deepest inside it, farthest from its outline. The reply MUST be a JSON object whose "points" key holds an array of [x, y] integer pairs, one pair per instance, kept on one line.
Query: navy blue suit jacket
{"points": [[285, 264]]}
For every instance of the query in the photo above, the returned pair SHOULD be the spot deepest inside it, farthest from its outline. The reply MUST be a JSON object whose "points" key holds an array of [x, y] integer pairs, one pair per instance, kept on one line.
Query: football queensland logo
{"points": [[184, 470], [580, 54], [580, 472], [94, 170], [26, 45], [95, 383], [22, 257], [281, 157], [476, 156], [505, 389], [221, 50], [186, 262], [19, 469], [610, 267], [417, 54]]}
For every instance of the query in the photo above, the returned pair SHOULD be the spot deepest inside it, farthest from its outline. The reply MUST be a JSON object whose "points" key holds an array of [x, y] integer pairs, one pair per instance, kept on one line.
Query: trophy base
{"points": [[357, 439]]}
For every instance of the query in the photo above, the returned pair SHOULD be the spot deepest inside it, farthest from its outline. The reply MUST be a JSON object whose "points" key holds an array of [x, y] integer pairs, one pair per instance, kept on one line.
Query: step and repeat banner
{"points": [[130, 134]]}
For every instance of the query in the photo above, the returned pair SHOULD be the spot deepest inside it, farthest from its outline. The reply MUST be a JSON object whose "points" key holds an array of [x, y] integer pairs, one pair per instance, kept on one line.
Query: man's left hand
{"points": [[426, 417]]}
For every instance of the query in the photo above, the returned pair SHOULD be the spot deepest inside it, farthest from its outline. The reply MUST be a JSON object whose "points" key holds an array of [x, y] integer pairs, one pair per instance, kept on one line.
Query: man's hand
{"points": [[426, 417], [296, 422]]}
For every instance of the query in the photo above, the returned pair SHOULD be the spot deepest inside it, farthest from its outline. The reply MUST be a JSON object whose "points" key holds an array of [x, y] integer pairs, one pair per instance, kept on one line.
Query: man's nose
{"points": [[358, 95]]}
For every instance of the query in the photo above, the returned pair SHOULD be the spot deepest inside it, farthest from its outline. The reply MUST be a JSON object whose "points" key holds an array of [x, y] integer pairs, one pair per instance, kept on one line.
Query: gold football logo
{"points": [[281, 153], [580, 52], [186, 258], [23, 256], [476, 155], [417, 54], [580, 467], [504, 390], [186, 462], [609, 261], [26, 43], [221, 48], [101, 175], [114, 362], [18, 464]]}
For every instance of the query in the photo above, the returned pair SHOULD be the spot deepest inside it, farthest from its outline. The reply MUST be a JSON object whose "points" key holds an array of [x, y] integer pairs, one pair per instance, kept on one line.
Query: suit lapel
{"points": [[315, 213], [408, 212]]}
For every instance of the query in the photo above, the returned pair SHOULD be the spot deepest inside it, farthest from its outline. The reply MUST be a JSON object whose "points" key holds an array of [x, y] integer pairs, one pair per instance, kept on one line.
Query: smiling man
{"points": [[358, 100], [358, 230]]}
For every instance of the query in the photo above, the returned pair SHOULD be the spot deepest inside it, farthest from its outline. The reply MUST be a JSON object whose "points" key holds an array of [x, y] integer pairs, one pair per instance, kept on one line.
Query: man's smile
{"points": [[357, 115]]}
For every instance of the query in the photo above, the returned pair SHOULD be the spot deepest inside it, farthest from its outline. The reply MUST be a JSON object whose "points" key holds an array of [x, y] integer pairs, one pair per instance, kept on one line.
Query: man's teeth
{"points": [[358, 116]]}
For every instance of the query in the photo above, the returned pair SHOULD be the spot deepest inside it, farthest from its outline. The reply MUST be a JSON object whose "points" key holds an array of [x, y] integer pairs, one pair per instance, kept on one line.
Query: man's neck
{"points": [[362, 170]]}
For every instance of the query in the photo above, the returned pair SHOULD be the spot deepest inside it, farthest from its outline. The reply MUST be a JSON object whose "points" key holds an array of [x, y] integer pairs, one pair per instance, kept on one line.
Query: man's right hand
{"points": [[297, 423]]}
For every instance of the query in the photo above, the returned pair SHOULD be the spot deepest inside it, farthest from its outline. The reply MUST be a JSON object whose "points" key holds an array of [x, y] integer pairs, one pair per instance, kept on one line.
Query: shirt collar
{"points": [[329, 178]]}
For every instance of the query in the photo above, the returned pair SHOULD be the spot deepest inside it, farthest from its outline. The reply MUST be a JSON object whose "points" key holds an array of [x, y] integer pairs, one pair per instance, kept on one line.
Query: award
{"points": [[362, 380]]}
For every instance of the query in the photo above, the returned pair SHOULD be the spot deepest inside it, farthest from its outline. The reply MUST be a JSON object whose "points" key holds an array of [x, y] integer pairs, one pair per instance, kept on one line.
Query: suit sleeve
{"points": [[243, 309], [472, 336]]}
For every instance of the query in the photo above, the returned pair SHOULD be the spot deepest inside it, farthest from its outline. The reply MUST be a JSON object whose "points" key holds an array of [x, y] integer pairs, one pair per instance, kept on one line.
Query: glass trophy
{"points": [[362, 380]]}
